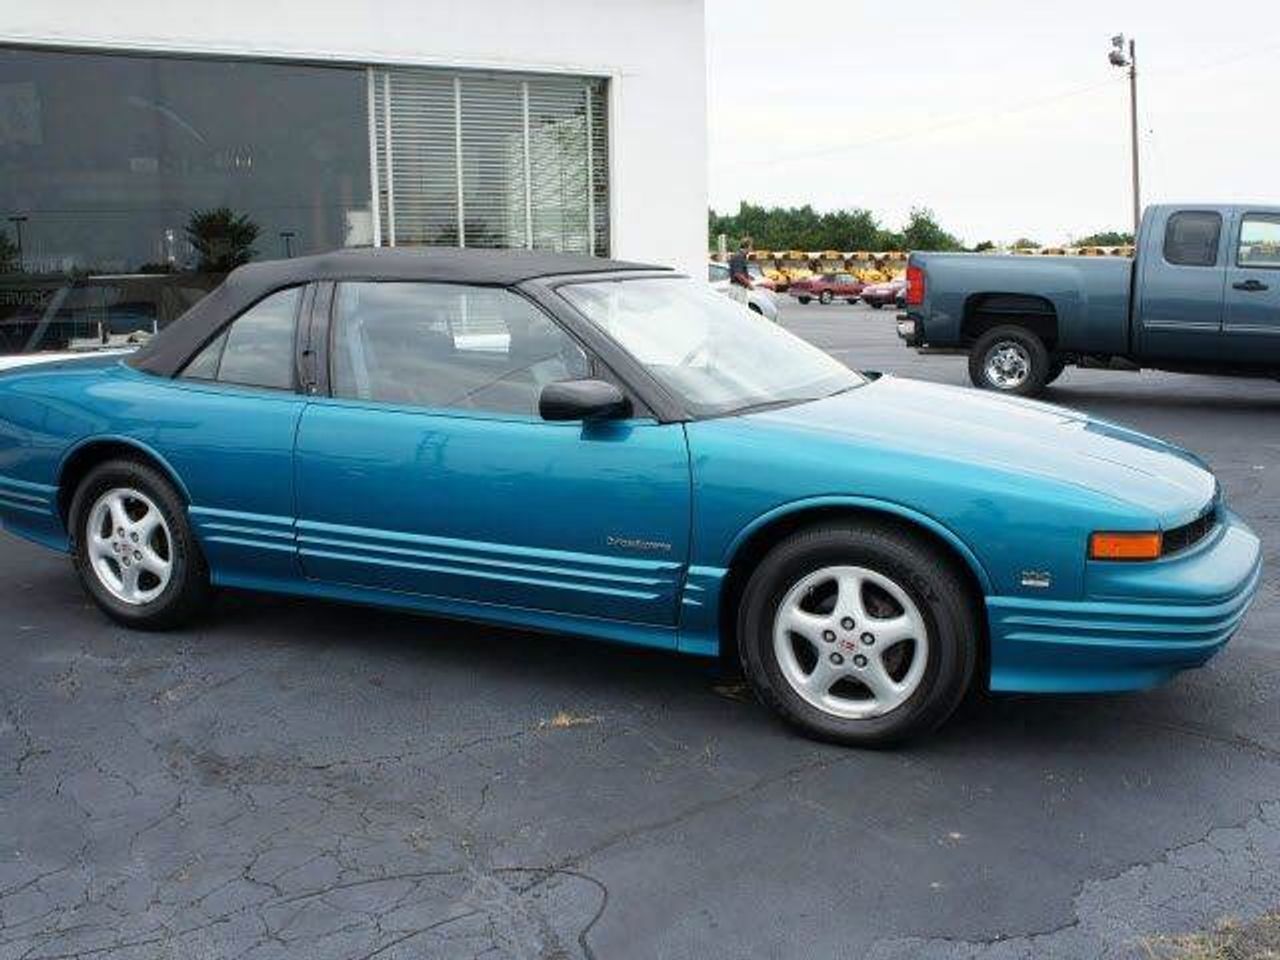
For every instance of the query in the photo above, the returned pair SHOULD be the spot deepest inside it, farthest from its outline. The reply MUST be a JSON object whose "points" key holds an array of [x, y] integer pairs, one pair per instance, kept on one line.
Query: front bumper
{"points": [[1176, 613]]}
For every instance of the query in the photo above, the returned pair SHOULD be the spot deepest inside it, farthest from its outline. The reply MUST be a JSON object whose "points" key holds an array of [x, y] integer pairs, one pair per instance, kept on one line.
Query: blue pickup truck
{"points": [[1201, 295]]}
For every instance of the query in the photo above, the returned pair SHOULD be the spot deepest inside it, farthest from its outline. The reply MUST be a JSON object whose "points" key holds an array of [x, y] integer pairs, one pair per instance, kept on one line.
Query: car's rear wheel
{"points": [[825, 296], [850, 300], [803, 299], [860, 634], [133, 547], [874, 304], [1009, 360]]}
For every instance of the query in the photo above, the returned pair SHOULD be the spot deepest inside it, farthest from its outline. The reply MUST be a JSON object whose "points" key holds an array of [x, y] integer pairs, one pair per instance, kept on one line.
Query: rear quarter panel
{"points": [[228, 449], [1089, 294]]}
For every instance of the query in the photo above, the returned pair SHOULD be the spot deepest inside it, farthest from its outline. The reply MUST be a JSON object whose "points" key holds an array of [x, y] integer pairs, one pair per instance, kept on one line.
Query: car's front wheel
{"points": [[861, 634], [133, 547], [1010, 360], [874, 304], [803, 299]]}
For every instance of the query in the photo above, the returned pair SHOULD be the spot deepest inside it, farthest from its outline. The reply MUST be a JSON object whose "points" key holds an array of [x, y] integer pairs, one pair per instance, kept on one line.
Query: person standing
{"points": [[739, 278]]}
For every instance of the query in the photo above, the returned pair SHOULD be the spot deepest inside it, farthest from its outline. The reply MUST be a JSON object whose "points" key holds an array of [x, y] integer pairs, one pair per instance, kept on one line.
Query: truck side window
{"points": [[1259, 242], [1191, 238]]}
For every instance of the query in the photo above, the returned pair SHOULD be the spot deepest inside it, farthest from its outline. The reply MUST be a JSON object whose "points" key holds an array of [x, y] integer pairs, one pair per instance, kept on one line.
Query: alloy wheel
{"points": [[1008, 364], [851, 642], [129, 545]]}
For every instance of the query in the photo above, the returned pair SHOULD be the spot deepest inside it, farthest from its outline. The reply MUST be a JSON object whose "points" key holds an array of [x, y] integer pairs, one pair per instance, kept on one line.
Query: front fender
{"points": [[909, 514]]}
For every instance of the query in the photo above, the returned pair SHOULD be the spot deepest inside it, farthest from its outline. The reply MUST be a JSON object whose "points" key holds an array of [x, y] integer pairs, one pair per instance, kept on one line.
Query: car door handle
{"points": [[1251, 285]]}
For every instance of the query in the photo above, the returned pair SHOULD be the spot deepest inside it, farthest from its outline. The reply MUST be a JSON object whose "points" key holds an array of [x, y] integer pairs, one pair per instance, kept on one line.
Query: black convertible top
{"points": [[173, 346]]}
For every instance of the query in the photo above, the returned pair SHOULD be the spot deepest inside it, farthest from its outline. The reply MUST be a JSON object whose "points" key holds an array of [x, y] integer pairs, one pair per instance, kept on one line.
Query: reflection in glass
{"points": [[114, 166]]}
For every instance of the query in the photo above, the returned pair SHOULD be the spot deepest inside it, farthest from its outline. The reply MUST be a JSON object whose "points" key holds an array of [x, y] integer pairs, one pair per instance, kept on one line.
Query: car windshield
{"points": [[712, 353]]}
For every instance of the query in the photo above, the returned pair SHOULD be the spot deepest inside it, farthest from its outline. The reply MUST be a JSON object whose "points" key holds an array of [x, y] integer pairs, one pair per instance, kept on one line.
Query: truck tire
{"points": [[1056, 366], [1010, 360]]}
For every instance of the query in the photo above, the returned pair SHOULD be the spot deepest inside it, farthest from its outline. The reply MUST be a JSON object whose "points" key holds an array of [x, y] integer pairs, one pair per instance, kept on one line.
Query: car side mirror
{"points": [[582, 400]]}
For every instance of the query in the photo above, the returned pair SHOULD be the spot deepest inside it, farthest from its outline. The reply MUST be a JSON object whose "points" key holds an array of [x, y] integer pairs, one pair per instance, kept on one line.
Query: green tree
{"points": [[1106, 238], [222, 239], [984, 246], [1025, 243], [923, 232]]}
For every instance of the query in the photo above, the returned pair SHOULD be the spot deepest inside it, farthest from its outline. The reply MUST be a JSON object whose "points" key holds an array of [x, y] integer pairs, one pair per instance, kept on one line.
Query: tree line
{"points": [[804, 228]]}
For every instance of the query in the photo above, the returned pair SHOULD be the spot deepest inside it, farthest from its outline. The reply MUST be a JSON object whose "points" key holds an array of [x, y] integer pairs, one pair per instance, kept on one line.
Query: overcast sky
{"points": [[1002, 115]]}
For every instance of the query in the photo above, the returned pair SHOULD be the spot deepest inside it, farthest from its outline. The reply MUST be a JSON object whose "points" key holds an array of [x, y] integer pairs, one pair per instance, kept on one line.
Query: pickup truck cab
{"points": [[1202, 295]]}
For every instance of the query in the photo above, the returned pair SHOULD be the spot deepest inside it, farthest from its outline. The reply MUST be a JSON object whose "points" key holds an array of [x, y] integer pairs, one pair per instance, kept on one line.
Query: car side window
{"points": [[717, 272], [1191, 238], [256, 350], [448, 346], [1259, 241]]}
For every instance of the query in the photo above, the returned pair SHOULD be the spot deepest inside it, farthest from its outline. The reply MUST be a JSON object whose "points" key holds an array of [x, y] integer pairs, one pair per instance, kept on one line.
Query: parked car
{"points": [[825, 287], [1202, 296], [759, 278], [890, 292], [759, 298], [570, 444]]}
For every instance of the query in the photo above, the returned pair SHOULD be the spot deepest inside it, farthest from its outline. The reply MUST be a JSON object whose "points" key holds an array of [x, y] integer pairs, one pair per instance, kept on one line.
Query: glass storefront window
{"points": [[129, 185]]}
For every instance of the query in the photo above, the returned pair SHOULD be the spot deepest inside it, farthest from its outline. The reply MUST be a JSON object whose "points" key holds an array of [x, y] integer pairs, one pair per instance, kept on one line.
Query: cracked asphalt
{"points": [[310, 780]]}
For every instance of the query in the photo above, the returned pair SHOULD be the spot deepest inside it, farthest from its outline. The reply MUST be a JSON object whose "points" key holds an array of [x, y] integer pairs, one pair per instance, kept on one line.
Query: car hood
{"points": [[1016, 435]]}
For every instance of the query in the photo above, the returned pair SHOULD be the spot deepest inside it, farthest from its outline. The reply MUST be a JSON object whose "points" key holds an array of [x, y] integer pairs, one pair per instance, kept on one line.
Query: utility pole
{"points": [[1119, 58]]}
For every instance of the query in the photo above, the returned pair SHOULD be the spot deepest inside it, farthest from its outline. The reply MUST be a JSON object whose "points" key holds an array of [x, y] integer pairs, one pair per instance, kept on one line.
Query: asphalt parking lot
{"points": [[312, 780]]}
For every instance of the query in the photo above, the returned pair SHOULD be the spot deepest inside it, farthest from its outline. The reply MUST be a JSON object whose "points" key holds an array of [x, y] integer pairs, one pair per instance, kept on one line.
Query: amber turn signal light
{"points": [[1125, 546]]}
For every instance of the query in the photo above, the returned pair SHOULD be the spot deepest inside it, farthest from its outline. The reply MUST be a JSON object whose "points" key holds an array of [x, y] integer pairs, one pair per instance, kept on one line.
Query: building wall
{"points": [[653, 51]]}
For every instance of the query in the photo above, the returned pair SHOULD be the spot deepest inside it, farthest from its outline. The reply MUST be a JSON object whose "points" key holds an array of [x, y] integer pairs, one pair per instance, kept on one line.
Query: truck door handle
{"points": [[1251, 285]]}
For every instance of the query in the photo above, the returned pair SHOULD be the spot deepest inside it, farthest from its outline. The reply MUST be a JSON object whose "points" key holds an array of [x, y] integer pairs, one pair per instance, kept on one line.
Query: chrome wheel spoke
{"points": [[805, 624], [822, 677], [889, 632], [849, 600]]}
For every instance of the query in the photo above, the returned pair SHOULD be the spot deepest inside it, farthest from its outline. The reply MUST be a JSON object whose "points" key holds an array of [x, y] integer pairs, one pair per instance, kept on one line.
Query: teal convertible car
{"points": [[607, 449]]}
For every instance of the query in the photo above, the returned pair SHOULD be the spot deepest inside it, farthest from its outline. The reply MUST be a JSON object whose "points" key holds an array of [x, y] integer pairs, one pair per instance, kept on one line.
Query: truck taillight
{"points": [[915, 286]]}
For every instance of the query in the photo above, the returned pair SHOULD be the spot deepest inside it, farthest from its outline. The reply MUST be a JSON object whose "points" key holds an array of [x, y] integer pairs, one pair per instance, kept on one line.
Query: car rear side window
{"points": [[1191, 238], [256, 350]]}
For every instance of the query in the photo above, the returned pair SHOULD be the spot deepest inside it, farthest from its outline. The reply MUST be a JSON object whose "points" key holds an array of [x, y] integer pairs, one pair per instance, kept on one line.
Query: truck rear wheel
{"points": [[1010, 360]]}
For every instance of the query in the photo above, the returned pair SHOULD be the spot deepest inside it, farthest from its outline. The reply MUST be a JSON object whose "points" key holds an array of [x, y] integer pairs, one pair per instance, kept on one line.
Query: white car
{"points": [[758, 299]]}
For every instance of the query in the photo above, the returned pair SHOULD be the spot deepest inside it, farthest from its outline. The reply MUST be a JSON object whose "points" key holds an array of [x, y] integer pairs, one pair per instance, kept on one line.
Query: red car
{"points": [[877, 295], [826, 287]]}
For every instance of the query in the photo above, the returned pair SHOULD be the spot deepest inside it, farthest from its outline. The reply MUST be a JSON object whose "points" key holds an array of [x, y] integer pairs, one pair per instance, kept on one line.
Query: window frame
{"points": [[302, 308], [1216, 263], [1273, 218], [597, 367]]}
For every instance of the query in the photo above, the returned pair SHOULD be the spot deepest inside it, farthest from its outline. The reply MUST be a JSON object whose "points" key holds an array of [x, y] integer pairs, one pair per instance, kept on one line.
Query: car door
{"points": [[1179, 307], [226, 424], [1251, 323], [427, 469]]}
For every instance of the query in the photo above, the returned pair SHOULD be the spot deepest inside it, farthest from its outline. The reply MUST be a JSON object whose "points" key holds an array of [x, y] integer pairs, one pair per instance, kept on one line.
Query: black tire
{"points": [[803, 299], [929, 578], [1029, 347], [874, 304], [1056, 367], [825, 297], [850, 300], [754, 307], [188, 586]]}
